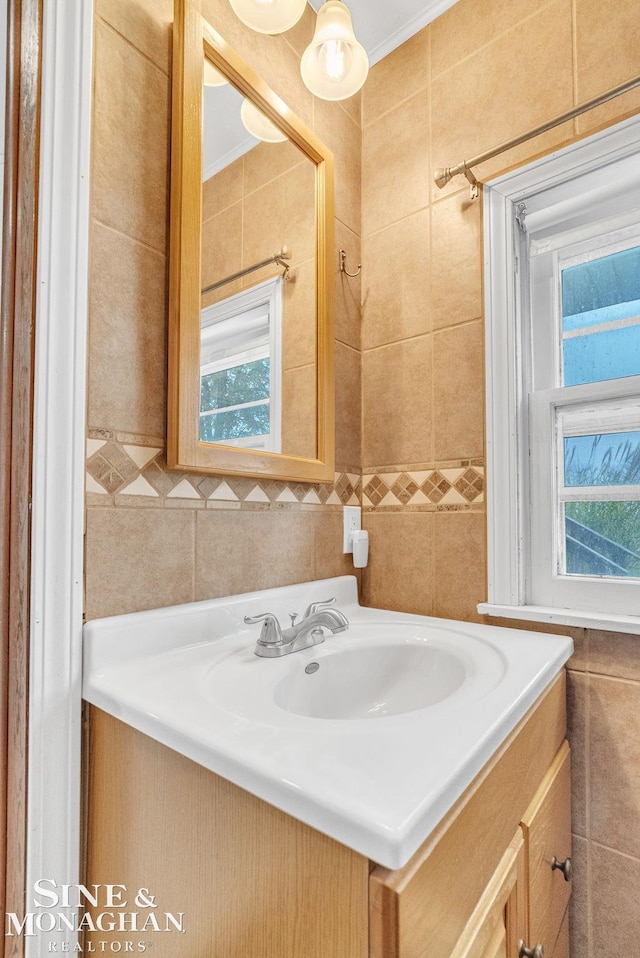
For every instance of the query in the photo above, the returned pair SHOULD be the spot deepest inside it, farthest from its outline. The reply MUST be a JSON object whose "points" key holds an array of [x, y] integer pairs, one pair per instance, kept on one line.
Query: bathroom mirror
{"points": [[250, 305]]}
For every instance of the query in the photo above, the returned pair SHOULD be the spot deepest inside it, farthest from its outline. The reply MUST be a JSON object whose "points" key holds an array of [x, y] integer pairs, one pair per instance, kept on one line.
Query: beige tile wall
{"points": [[155, 538], [481, 73]]}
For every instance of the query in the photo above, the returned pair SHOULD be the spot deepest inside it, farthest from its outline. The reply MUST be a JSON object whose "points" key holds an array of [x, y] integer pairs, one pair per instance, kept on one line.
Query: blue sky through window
{"points": [[601, 318], [601, 282]]}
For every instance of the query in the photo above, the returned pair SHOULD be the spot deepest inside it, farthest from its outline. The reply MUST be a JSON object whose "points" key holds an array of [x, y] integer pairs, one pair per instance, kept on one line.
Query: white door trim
{"points": [[54, 794]]}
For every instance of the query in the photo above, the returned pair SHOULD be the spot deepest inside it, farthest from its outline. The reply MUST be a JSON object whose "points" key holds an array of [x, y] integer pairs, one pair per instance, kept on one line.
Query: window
{"points": [[240, 369], [563, 397]]}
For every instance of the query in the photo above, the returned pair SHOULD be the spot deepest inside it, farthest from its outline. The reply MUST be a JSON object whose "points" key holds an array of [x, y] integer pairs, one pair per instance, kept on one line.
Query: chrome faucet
{"points": [[274, 641]]}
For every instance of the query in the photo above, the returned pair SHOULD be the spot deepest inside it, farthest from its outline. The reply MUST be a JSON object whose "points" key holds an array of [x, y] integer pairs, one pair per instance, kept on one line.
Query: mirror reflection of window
{"points": [[241, 369]]}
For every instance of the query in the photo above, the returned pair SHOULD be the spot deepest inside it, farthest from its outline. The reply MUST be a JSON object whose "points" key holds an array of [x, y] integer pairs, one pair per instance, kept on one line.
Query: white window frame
{"points": [[617, 408], [549, 192], [234, 308]]}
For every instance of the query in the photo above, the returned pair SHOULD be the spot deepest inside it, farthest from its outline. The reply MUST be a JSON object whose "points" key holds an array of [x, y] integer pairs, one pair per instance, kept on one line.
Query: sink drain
{"points": [[312, 667]]}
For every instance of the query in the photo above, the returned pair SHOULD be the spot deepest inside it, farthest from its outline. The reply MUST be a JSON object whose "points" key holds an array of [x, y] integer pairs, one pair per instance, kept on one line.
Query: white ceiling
{"points": [[224, 135], [382, 25]]}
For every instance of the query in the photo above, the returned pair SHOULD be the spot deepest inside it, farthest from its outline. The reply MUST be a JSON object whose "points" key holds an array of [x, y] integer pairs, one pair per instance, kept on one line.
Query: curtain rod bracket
{"points": [[280, 258], [473, 184]]}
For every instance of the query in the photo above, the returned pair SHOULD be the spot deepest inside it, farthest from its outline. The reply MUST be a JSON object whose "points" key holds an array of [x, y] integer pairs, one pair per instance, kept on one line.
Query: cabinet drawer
{"points": [[547, 829]]}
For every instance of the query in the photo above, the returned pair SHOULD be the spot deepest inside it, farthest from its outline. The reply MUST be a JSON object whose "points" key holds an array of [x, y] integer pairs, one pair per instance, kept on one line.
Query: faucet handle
{"points": [[317, 606], [271, 633]]}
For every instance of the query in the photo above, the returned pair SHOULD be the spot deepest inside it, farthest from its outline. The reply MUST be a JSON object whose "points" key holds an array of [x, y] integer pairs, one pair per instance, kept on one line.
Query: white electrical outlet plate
{"points": [[352, 517]]}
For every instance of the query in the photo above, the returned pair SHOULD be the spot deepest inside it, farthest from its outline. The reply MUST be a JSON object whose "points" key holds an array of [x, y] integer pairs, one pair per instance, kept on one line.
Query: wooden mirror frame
{"points": [[193, 39]]}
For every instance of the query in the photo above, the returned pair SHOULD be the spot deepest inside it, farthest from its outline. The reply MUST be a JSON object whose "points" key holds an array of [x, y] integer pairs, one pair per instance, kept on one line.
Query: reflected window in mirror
{"points": [[241, 369]]}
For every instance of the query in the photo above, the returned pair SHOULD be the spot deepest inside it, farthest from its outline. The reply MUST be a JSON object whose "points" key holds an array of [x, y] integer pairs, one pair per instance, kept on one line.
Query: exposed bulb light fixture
{"points": [[211, 76], [260, 125], [269, 16], [334, 66]]}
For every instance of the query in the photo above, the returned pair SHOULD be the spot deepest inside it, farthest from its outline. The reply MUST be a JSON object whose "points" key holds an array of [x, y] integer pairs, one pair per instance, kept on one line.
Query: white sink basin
{"points": [[299, 731], [370, 682], [373, 670], [383, 670]]}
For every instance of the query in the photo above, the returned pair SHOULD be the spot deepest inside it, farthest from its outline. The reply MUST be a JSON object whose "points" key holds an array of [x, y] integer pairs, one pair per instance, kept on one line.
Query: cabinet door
{"points": [[562, 945], [498, 921], [547, 829], [497, 947], [422, 909]]}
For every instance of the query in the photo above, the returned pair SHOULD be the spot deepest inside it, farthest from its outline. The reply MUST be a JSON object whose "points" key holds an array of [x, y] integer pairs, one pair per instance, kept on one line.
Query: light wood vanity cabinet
{"points": [[562, 944], [514, 818], [255, 883], [547, 829], [526, 900]]}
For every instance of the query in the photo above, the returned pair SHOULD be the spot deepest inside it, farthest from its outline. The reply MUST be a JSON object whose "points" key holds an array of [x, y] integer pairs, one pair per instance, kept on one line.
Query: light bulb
{"points": [[334, 66], [334, 57], [260, 125], [269, 16], [211, 76]]}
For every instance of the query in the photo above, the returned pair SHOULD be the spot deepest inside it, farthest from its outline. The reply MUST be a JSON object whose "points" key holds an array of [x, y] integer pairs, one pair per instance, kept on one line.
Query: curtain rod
{"points": [[278, 258], [444, 174]]}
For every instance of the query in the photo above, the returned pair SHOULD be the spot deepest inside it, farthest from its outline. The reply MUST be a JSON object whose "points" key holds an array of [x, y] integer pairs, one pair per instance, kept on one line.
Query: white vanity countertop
{"points": [[187, 677]]}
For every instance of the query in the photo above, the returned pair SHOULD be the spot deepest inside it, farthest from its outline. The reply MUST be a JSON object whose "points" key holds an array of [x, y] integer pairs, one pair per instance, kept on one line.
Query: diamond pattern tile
{"points": [[470, 485], [436, 487], [299, 490], [404, 488], [376, 490], [110, 469], [204, 484], [163, 482], [324, 491], [241, 487], [344, 488]]}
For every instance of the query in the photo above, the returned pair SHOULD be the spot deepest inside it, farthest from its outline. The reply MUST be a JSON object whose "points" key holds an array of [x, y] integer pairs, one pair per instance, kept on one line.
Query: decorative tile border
{"points": [[122, 465], [453, 485], [124, 468]]}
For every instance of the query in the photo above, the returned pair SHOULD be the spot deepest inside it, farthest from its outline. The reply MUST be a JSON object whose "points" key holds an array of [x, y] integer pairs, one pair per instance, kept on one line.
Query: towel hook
{"points": [[343, 268]]}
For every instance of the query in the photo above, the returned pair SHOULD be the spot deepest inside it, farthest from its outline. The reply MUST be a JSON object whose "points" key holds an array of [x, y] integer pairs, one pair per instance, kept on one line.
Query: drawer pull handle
{"points": [[524, 952], [564, 867]]}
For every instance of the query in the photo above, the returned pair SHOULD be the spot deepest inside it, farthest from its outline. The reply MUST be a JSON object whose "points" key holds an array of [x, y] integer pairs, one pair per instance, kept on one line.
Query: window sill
{"points": [[606, 622]]}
